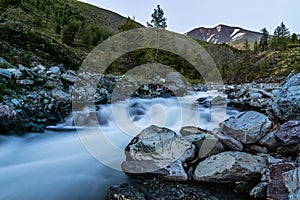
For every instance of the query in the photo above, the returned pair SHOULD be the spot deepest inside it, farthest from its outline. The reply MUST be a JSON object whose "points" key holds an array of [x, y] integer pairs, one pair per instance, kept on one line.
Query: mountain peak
{"points": [[224, 34]]}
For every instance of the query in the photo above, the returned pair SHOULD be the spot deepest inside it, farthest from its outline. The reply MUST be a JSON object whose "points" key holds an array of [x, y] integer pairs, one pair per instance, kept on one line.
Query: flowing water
{"points": [[69, 163]]}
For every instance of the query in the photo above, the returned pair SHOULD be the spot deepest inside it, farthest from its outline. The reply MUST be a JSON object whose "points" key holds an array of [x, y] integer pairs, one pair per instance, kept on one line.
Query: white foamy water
{"points": [[62, 164]]}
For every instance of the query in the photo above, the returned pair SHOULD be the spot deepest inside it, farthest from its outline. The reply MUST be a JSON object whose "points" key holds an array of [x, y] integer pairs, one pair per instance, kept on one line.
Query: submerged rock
{"points": [[289, 133], [247, 127], [287, 102], [231, 166]]}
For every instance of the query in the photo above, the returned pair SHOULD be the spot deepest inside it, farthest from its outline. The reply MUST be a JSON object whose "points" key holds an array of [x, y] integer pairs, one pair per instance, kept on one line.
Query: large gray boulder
{"points": [[230, 166], [247, 127], [287, 102], [156, 143]]}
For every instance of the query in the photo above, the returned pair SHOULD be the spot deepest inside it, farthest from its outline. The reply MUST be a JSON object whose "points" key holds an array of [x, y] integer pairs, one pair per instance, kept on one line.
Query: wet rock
{"points": [[70, 76], [289, 133], [291, 181], [218, 101], [204, 101], [270, 141], [229, 141], [252, 96], [287, 102], [5, 73], [259, 191], [276, 187], [9, 122], [155, 143], [25, 82], [55, 70], [271, 160], [206, 144], [15, 72], [247, 127], [256, 95], [231, 166], [164, 169], [191, 130], [61, 95]]}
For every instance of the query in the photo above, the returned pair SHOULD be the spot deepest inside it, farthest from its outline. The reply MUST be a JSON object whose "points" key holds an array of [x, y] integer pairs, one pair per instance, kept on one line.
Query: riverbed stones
{"points": [[287, 102], [270, 141], [291, 181], [155, 188], [9, 122], [247, 127], [156, 143], [206, 144], [229, 141], [230, 166], [259, 191], [289, 133], [276, 187], [191, 130], [5, 73]]}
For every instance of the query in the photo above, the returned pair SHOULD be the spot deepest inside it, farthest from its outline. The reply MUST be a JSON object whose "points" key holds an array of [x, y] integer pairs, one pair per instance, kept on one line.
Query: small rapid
{"points": [[59, 165]]}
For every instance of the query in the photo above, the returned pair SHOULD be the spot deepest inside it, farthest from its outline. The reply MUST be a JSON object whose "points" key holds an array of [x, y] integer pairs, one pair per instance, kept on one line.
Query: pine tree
{"points": [[294, 37], [264, 40], [158, 19], [281, 37], [255, 46]]}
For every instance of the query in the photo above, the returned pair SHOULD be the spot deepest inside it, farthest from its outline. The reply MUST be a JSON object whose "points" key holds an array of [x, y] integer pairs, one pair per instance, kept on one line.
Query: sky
{"points": [[185, 15]]}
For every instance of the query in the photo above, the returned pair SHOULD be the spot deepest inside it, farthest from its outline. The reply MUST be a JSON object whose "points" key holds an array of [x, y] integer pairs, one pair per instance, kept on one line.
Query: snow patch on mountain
{"points": [[210, 37], [234, 32], [237, 36]]}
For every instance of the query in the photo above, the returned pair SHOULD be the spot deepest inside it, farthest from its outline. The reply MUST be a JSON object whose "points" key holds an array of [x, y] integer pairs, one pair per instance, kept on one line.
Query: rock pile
{"points": [[248, 151], [42, 96]]}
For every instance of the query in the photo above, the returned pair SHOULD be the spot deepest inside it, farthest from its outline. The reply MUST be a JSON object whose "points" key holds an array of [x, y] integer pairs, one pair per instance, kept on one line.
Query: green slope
{"points": [[31, 30]]}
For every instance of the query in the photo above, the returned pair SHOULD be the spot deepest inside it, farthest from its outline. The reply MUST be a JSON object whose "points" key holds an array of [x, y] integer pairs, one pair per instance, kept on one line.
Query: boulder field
{"points": [[256, 152]]}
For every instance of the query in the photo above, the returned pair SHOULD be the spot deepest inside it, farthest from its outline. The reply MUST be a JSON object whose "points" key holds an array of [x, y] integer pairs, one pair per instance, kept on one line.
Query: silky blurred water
{"points": [[58, 165]]}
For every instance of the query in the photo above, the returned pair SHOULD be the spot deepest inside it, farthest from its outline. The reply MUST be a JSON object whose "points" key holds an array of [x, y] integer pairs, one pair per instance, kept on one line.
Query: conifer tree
{"points": [[264, 40], [158, 19]]}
